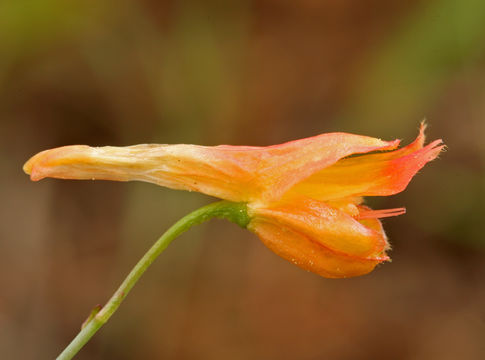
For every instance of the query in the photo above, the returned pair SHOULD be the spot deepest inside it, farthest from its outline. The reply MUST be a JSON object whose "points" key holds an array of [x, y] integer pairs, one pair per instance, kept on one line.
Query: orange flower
{"points": [[303, 197]]}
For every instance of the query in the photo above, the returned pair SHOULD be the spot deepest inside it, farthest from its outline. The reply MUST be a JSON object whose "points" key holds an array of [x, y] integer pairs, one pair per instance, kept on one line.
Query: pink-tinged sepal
{"points": [[378, 174], [288, 164]]}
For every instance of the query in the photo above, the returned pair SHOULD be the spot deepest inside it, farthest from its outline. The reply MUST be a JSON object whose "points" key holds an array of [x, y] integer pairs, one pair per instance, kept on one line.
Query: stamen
{"points": [[377, 214]]}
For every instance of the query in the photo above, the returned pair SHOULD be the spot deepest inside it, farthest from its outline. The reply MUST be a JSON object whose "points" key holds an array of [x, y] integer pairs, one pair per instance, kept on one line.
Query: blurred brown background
{"points": [[238, 72]]}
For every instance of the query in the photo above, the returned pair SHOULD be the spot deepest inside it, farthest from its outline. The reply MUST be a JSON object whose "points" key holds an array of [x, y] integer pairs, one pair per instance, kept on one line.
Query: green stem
{"points": [[235, 212]]}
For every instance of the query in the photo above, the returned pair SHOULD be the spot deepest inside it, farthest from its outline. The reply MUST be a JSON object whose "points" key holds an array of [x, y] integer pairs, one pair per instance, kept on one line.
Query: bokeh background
{"points": [[238, 72]]}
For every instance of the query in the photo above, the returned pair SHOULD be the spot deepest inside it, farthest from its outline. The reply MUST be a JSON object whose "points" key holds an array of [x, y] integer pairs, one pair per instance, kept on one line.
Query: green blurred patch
{"points": [[411, 70], [32, 24], [453, 205]]}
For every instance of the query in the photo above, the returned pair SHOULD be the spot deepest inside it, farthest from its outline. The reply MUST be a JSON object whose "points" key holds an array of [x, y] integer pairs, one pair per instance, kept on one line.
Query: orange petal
{"points": [[330, 227], [236, 173], [302, 251], [218, 172], [366, 175], [285, 165]]}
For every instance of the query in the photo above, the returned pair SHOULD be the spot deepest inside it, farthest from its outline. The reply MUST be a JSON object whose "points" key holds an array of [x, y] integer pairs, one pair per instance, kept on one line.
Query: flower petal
{"points": [[216, 171], [287, 164], [236, 173], [302, 251], [330, 227], [369, 175]]}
